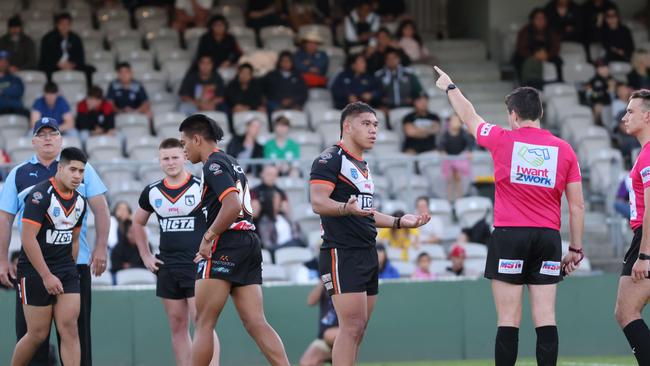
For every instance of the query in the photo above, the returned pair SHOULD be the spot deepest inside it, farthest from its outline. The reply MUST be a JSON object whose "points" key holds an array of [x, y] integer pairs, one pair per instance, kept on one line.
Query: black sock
{"points": [[638, 336], [547, 344], [505, 348]]}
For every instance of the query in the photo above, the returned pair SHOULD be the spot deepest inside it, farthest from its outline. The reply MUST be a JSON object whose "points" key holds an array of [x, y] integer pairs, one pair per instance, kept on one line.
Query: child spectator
{"points": [[423, 268], [457, 258], [400, 238], [95, 115], [386, 269], [281, 147]]}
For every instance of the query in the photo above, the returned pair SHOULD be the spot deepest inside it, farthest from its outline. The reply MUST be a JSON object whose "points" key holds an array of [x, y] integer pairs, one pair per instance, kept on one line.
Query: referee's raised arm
{"points": [[459, 103]]}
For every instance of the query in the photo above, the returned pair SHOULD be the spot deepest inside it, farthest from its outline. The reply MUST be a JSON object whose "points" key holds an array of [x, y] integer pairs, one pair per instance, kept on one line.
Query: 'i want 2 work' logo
{"points": [[534, 165]]}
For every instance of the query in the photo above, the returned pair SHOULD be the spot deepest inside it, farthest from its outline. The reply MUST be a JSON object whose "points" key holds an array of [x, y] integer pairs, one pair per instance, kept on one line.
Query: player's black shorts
{"points": [[176, 282], [237, 259], [347, 270], [633, 253], [31, 288], [524, 255]]}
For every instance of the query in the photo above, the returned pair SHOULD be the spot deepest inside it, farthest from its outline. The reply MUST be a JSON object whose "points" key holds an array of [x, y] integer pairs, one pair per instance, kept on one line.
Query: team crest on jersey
{"points": [[37, 197], [56, 211], [189, 200], [77, 213], [158, 202], [324, 157], [354, 173]]}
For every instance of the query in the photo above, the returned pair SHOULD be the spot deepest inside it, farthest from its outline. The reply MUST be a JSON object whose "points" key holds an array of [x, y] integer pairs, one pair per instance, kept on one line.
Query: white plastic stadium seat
{"points": [[13, 125], [20, 148], [142, 147], [577, 72], [134, 276], [310, 143], [435, 251], [266, 257], [104, 280], [607, 166], [471, 209], [132, 124], [272, 272], [475, 250], [298, 119], [308, 220], [405, 269], [475, 265], [104, 147], [66, 76], [241, 118], [292, 255], [116, 172], [441, 209], [439, 267]]}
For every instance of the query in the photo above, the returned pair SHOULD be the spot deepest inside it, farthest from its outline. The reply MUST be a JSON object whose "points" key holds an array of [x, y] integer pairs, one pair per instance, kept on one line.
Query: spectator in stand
{"points": [[361, 24], [282, 149], [615, 37], [390, 10], [127, 94], [625, 142], [565, 18], [121, 213], [264, 13], [621, 99], [53, 105], [262, 196], [639, 77], [457, 258], [355, 84], [95, 115], [532, 71], [421, 128], [202, 88], [593, 15], [410, 42], [310, 61], [431, 232], [423, 268], [246, 146], [11, 89], [21, 48], [285, 87], [320, 350], [125, 253], [62, 49], [622, 202], [219, 44], [386, 270], [191, 13], [456, 144], [403, 239], [400, 86], [531, 36], [275, 228], [376, 51], [599, 90], [245, 93]]}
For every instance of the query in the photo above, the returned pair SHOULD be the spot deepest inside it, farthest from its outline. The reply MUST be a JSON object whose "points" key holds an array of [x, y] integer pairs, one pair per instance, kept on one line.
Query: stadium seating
{"points": [[135, 276]]}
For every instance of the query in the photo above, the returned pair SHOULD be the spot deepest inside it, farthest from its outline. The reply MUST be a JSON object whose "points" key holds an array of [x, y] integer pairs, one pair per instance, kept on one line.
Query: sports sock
{"points": [[547, 345], [638, 335], [506, 345]]}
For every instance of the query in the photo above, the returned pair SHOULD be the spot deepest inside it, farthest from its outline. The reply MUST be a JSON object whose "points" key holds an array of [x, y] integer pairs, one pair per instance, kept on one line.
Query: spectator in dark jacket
{"points": [[421, 128], [400, 86], [95, 115], [285, 88], [11, 89], [639, 77], [219, 44], [615, 37], [125, 253], [61, 48], [310, 61], [245, 93], [533, 35], [202, 88], [593, 15], [22, 49], [376, 52], [565, 18], [127, 94], [356, 84], [386, 269], [246, 146]]}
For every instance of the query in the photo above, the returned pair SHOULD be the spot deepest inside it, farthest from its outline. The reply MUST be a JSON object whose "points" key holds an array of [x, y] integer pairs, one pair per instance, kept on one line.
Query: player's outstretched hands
{"points": [[6, 273], [151, 262], [443, 80], [351, 208], [640, 270], [205, 251], [413, 221], [571, 262], [53, 285]]}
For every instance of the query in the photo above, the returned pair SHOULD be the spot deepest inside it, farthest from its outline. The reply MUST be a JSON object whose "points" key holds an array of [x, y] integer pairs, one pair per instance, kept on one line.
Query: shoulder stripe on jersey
{"points": [[320, 181], [344, 179], [152, 185], [225, 193], [196, 179], [28, 221]]}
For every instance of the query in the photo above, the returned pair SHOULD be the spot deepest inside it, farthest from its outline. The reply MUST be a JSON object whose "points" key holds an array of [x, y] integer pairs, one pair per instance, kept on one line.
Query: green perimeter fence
{"points": [[412, 321]]}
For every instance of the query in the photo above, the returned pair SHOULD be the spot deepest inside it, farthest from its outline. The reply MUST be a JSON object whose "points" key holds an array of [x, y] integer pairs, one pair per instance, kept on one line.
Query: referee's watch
{"points": [[450, 87], [644, 257]]}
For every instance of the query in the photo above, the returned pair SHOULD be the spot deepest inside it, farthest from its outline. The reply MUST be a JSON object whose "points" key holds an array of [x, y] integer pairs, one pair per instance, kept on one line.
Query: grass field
{"points": [[565, 361]]}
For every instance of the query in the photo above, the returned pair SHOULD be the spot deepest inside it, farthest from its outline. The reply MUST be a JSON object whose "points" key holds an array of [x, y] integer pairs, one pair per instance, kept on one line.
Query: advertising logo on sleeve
{"points": [[486, 128], [645, 174], [534, 165]]}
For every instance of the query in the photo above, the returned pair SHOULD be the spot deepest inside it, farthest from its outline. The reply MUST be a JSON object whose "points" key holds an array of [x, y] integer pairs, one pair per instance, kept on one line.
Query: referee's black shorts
{"points": [[633, 253], [524, 255]]}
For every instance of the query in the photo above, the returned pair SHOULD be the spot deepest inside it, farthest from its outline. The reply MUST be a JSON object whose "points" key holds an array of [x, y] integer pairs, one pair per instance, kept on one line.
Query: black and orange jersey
{"points": [[222, 174], [57, 215], [349, 176], [180, 217]]}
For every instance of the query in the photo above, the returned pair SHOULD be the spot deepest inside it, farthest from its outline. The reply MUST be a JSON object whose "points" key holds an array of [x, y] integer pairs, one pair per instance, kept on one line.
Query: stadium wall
{"points": [[412, 321]]}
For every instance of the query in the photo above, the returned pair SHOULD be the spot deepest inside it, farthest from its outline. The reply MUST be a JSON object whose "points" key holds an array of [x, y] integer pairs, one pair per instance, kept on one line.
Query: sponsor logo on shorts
{"points": [[221, 269], [511, 266], [550, 268], [58, 237], [485, 130], [177, 224], [200, 267], [534, 165], [645, 174], [327, 281]]}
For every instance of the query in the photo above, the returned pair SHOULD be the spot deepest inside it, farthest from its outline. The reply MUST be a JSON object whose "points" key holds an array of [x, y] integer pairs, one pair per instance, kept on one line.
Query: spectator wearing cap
{"points": [[21, 48], [246, 146], [11, 89], [421, 128], [400, 86], [281, 148], [361, 24], [615, 37], [457, 258], [95, 115], [219, 43], [355, 84], [61, 48], [189, 13], [202, 88], [127, 94], [55, 107], [423, 268], [386, 269], [245, 92], [599, 89], [376, 51], [285, 88], [310, 61]]}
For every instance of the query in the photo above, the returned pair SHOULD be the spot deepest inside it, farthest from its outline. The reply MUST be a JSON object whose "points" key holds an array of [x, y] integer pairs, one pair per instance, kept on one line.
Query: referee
{"points": [[532, 169], [633, 286], [41, 167]]}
